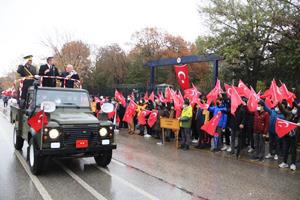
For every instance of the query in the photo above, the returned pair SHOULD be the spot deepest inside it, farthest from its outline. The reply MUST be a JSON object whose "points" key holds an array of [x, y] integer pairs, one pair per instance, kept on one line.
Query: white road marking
{"points": [[39, 186], [137, 189], [86, 186], [117, 162]]}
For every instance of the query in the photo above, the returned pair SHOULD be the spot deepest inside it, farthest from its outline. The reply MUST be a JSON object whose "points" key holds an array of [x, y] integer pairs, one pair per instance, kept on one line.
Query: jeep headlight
{"points": [[53, 133], [103, 132]]}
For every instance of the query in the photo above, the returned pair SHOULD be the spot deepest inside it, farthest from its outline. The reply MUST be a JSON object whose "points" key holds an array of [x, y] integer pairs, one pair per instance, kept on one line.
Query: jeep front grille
{"points": [[71, 134]]}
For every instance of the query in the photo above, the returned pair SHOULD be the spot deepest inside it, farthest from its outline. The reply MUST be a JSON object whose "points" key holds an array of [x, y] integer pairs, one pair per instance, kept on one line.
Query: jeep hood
{"points": [[74, 118]]}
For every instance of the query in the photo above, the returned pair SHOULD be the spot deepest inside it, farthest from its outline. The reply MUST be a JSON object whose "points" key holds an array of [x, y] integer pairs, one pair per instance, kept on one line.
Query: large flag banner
{"points": [[182, 75], [152, 118], [283, 127], [38, 121], [120, 98], [211, 126]]}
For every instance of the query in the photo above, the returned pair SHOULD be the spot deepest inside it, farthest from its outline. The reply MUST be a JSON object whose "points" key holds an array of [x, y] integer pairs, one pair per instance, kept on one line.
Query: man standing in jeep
{"points": [[49, 69]]}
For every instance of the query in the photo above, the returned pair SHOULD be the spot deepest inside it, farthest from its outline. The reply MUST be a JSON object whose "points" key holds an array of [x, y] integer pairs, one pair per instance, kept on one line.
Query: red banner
{"points": [[182, 75]]}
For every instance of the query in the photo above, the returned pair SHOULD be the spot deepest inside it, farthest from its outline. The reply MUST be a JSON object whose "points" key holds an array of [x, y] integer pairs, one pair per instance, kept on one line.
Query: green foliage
{"points": [[255, 37]]}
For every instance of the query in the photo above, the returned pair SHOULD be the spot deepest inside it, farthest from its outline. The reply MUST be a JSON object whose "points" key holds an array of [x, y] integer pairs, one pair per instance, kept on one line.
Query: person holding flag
{"points": [[289, 140], [220, 107], [273, 138], [260, 128], [185, 124]]}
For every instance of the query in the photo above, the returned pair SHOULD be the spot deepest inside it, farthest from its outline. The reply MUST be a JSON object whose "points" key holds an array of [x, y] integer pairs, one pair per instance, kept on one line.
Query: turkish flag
{"points": [[202, 106], [253, 100], [192, 94], [152, 118], [243, 90], [36, 122], [283, 127], [146, 97], [130, 112], [180, 97], [142, 117], [289, 96], [168, 94], [214, 93], [120, 98], [161, 98], [182, 75], [273, 95], [235, 98], [152, 97], [211, 126]]}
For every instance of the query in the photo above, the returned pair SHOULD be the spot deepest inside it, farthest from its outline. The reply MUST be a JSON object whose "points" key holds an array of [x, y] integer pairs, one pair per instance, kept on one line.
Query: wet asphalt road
{"points": [[141, 169]]}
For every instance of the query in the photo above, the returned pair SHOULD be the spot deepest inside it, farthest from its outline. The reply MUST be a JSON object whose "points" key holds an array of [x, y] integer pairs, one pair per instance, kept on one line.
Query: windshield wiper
{"points": [[71, 104]]}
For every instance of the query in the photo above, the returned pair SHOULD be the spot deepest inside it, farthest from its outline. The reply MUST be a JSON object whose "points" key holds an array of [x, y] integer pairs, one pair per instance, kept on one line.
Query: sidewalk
{"points": [[206, 174]]}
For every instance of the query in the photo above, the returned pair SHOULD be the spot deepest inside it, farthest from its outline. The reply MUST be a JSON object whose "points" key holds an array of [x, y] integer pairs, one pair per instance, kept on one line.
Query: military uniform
{"points": [[26, 71]]}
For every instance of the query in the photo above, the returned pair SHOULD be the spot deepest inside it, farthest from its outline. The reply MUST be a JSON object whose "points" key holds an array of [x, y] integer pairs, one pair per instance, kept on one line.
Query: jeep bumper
{"points": [[73, 152]]}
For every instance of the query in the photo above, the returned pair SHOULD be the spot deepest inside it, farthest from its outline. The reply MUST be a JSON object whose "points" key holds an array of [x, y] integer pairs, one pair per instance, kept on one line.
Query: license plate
{"points": [[55, 145], [82, 144], [105, 142]]}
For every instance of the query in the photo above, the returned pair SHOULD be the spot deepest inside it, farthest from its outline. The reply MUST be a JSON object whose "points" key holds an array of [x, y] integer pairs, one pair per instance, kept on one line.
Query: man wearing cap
{"points": [[49, 69], [27, 71]]}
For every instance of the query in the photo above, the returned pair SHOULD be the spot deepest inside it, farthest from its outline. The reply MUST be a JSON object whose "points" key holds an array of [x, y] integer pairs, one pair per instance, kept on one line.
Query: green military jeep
{"points": [[72, 129]]}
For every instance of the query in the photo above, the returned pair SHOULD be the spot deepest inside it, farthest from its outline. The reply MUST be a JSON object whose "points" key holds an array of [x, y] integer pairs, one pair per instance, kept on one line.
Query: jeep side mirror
{"points": [[48, 106], [107, 107]]}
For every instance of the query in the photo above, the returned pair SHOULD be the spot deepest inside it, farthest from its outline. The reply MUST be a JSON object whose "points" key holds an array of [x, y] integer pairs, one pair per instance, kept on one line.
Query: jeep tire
{"points": [[103, 158], [34, 160], [17, 140]]}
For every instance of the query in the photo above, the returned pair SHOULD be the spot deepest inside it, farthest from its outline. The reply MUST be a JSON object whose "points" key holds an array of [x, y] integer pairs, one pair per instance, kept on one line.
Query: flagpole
{"points": [[42, 131]]}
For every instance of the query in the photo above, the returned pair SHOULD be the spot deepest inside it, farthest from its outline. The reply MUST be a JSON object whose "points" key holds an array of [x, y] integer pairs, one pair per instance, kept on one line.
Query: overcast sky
{"points": [[26, 23]]}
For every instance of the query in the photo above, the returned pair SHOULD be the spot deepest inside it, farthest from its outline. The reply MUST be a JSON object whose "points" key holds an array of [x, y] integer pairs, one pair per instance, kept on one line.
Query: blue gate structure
{"points": [[183, 60]]}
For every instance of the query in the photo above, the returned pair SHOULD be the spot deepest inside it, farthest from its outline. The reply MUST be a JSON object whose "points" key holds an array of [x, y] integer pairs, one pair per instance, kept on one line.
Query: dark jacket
{"points": [[69, 83], [261, 122], [48, 82], [239, 118], [26, 70]]}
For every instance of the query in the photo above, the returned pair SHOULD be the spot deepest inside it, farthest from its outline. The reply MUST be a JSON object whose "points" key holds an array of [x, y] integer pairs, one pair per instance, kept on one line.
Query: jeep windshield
{"points": [[64, 98]]}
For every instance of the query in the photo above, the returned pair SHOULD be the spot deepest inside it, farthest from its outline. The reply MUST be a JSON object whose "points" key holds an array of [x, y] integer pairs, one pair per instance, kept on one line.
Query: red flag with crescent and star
{"points": [[214, 93], [283, 127], [211, 126], [182, 75], [130, 111], [152, 118], [192, 94], [36, 122], [234, 97], [252, 103], [243, 90], [142, 117], [120, 98]]}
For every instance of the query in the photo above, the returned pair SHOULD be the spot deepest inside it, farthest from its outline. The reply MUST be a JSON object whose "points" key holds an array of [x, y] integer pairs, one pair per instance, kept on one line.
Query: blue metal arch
{"points": [[184, 60]]}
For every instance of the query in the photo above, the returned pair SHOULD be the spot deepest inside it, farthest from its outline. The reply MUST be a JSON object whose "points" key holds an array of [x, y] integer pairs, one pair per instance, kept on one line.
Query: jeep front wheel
{"points": [[34, 160], [103, 158], [17, 140]]}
